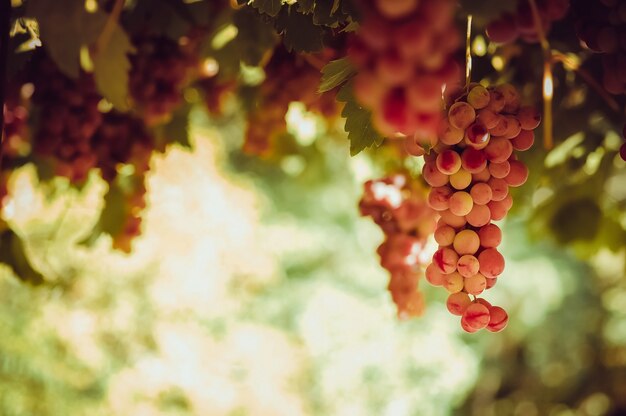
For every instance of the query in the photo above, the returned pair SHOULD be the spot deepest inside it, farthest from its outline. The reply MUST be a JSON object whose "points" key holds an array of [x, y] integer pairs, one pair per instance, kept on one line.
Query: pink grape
{"points": [[513, 127], [498, 150], [481, 193], [475, 285], [433, 176], [498, 319], [529, 118], [498, 210], [488, 118], [458, 302], [491, 283], [476, 316], [453, 282], [478, 97], [491, 262], [452, 220], [499, 170], [461, 180], [479, 215], [482, 176], [439, 198], [501, 128], [449, 134], [445, 259], [394, 9], [461, 203], [496, 101], [524, 140], [466, 242], [518, 174], [448, 162], [461, 115], [466, 327], [511, 97], [499, 189], [484, 301], [473, 160], [434, 276], [490, 236], [477, 136], [468, 265], [444, 235]]}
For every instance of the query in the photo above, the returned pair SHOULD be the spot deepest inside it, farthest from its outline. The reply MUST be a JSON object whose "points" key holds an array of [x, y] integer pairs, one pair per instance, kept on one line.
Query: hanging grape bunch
{"points": [[471, 170], [403, 53], [508, 27], [397, 204], [601, 27]]}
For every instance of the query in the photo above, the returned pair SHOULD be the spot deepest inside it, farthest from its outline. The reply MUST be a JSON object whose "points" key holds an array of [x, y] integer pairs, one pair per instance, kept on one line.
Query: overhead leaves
{"points": [[270, 7], [299, 32], [336, 73], [12, 253], [111, 66], [361, 132], [65, 27]]}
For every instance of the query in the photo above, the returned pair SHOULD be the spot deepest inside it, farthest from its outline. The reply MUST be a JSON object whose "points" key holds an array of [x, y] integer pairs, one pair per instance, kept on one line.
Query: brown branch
{"points": [[5, 27]]}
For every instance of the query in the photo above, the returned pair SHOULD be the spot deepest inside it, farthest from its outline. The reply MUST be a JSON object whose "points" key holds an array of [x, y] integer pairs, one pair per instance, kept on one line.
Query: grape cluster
{"points": [[508, 27], [68, 118], [470, 171], [133, 205], [398, 205], [288, 79], [601, 26], [160, 69], [403, 53]]}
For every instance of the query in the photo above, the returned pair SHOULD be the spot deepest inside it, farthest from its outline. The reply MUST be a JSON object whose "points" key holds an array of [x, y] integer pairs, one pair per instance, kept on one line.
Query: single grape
{"points": [[488, 118], [499, 189], [468, 265], [453, 282], [499, 170], [461, 179], [473, 160], [458, 302], [477, 136], [478, 97], [476, 316], [452, 220], [498, 319], [439, 198], [518, 174], [498, 150], [448, 134], [491, 262], [461, 115], [529, 118], [490, 236], [433, 176], [444, 235], [479, 215], [434, 276], [475, 285], [481, 176], [448, 162], [481, 193], [445, 259], [466, 242], [524, 140], [461, 203]]}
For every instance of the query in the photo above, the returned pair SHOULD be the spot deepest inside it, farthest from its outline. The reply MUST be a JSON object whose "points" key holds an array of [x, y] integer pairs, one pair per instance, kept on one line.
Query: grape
{"points": [[529, 118], [498, 319], [458, 302], [444, 235], [513, 127], [434, 276], [496, 101], [468, 265], [448, 162], [524, 140], [449, 134], [367, 90], [461, 179], [499, 189], [473, 160], [453, 282], [481, 193], [394, 9], [452, 220], [460, 203], [488, 118], [479, 215], [478, 97], [466, 242], [491, 283], [445, 259], [511, 97], [518, 174], [490, 236], [393, 70], [461, 115], [499, 170], [498, 210], [433, 176], [439, 198], [491, 262], [498, 150], [482, 176], [477, 136], [476, 316], [475, 285]]}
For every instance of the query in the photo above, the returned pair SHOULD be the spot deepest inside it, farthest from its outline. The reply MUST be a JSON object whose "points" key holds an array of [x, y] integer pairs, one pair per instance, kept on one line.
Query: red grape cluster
{"points": [[521, 24], [470, 171], [160, 69], [68, 117], [601, 26], [288, 79], [403, 53], [398, 205]]}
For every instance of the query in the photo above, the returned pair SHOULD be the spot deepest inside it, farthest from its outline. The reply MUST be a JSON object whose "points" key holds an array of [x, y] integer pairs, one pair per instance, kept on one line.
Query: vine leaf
{"points": [[176, 131], [299, 31], [13, 254], [111, 66], [361, 132], [65, 27], [336, 73], [270, 7]]}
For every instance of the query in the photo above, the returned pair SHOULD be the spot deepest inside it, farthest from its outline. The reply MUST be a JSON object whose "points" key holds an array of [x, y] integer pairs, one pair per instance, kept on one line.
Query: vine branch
{"points": [[5, 27]]}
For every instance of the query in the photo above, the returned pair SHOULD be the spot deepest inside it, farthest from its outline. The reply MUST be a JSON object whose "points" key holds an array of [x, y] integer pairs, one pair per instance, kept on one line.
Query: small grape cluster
{"points": [[398, 205], [68, 118], [508, 27], [470, 171], [601, 26], [160, 69], [288, 79], [403, 52]]}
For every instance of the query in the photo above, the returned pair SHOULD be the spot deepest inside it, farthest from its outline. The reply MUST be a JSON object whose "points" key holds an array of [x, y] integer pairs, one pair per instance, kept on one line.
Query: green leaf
{"points": [[361, 132], [270, 7], [13, 254], [176, 131], [111, 67], [299, 32], [325, 14], [306, 6], [336, 73], [65, 27]]}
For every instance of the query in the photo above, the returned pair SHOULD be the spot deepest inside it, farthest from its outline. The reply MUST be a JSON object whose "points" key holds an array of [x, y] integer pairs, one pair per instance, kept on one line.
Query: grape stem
{"points": [[468, 53], [5, 27], [548, 85], [573, 66]]}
